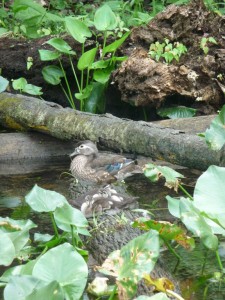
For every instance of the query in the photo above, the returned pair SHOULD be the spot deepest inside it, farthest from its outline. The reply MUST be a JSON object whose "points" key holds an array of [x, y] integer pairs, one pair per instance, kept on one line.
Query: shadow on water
{"points": [[195, 279]]}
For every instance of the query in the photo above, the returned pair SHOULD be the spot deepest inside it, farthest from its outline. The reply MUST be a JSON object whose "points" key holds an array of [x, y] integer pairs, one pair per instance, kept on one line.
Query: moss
{"points": [[11, 123]]}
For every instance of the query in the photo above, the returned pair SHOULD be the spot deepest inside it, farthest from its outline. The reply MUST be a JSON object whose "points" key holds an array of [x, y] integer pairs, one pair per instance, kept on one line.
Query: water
{"points": [[193, 279]]}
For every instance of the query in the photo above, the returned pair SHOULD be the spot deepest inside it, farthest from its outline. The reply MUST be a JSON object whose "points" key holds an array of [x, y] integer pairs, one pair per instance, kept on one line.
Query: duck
{"points": [[90, 165], [102, 199]]}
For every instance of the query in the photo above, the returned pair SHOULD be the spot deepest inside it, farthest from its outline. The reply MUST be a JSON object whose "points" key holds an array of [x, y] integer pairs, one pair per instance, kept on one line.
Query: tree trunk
{"points": [[23, 113]]}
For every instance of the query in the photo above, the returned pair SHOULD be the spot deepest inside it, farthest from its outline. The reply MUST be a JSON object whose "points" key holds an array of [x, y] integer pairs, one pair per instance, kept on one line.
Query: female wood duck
{"points": [[99, 200], [88, 164]]}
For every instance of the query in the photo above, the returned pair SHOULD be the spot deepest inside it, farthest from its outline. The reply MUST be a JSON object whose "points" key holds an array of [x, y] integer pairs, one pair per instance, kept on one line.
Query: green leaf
{"points": [[3, 84], [85, 93], [60, 45], [105, 19], [153, 173], [96, 101], [3, 31], [174, 206], [158, 296], [64, 265], [42, 200], [19, 287], [176, 112], [52, 74], [67, 216], [215, 134], [77, 29], [19, 84], [87, 58], [21, 5], [49, 291], [100, 64], [115, 45], [212, 40], [46, 55], [133, 261], [209, 194], [7, 250], [103, 75], [32, 89]]}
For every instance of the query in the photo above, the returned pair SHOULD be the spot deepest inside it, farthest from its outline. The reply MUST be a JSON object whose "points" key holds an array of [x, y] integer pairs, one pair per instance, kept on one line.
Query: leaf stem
{"points": [[75, 74], [172, 250], [219, 260], [185, 192], [113, 292], [54, 224]]}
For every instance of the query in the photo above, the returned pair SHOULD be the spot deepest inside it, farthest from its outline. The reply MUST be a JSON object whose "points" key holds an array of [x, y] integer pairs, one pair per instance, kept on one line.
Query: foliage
{"points": [[215, 134], [94, 73], [176, 112], [205, 42], [168, 51]]}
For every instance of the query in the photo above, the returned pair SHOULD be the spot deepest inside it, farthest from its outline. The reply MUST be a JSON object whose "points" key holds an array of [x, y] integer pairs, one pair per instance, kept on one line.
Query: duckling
{"points": [[88, 164], [102, 199]]}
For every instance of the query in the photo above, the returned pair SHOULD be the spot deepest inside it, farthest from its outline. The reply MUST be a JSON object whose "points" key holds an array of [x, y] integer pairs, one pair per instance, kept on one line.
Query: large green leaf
{"points": [[209, 193], [158, 296], [19, 84], [47, 55], [19, 287], [60, 45], [3, 84], [87, 58], [105, 19], [176, 112], [7, 250], [133, 261], [66, 266], [52, 74], [67, 215], [77, 29], [42, 200], [32, 89], [18, 232], [96, 101], [215, 135], [21, 5], [115, 45]]}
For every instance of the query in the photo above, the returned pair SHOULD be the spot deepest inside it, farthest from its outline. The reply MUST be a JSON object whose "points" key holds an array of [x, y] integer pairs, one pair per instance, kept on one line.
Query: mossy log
{"points": [[26, 113]]}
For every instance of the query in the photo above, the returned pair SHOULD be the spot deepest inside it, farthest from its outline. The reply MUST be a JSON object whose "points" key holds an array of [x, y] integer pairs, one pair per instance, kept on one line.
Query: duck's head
{"points": [[85, 148]]}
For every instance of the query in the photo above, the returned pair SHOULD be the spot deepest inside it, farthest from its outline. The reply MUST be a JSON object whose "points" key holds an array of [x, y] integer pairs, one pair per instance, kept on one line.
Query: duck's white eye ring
{"points": [[81, 146]]}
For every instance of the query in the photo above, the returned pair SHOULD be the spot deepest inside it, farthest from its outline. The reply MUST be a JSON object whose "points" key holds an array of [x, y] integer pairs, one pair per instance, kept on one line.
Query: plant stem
{"points": [[54, 224], [67, 96], [172, 250], [219, 260], [113, 292], [145, 114], [72, 234], [75, 75], [185, 192], [67, 84]]}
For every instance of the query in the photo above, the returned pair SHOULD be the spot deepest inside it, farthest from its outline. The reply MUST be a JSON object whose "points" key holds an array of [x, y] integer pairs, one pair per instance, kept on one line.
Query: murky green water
{"points": [[195, 280]]}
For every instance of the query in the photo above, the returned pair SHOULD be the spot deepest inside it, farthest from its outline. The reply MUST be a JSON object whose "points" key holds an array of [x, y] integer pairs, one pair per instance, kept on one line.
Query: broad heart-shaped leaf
{"points": [[115, 45], [32, 89], [134, 260], [17, 231], [52, 74], [66, 266], [167, 231], [20, 5], [60, 45], [209, 193], [215, 134], [49, 291], [46, 55], [153, 173], [176, 112], [197, 224], [42, 200], [3, 84], [7, 250], [85, 93], [87, 59], [96, 101], [103, 75], [77, 29], [19, 287], [19, 84], [67, 215], [105, 19]]}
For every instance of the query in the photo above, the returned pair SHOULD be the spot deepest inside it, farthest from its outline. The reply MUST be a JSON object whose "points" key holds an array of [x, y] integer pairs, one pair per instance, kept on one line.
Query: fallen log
{"points": [[26, 113]]}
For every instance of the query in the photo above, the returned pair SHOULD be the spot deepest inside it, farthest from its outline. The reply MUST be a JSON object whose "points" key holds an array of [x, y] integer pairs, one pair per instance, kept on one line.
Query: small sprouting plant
{"points": [[205, 43], [168, 51]]}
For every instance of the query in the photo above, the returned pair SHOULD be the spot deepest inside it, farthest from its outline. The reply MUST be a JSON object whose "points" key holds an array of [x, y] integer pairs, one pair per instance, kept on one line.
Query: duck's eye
{"points": [[81, 146]]}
